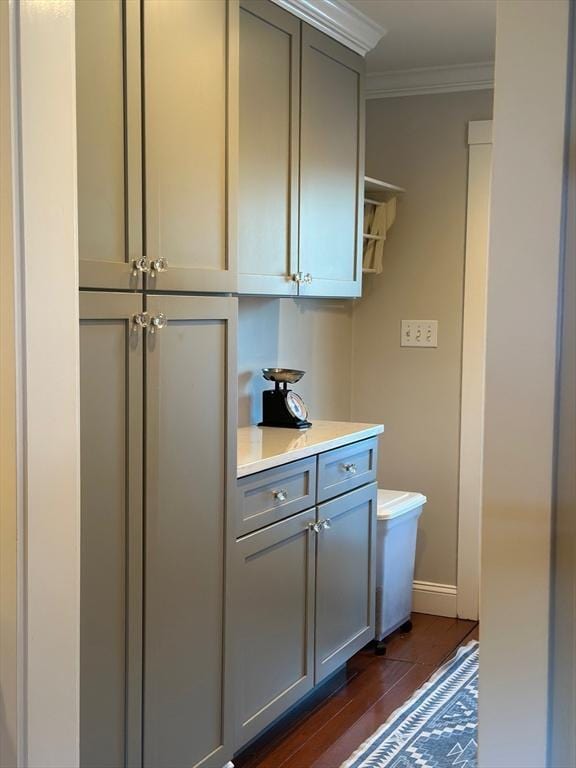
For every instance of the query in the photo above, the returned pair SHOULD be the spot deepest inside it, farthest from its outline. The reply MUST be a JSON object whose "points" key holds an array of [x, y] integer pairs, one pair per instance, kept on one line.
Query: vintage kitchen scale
{"points": [[281, 407]]}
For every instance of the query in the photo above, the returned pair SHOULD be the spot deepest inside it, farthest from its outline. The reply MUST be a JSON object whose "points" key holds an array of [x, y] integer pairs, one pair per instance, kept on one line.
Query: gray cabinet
{"points": [[268, 154], [206, 131], [158, 474], [111, 420], [331, 167], [274, 494], [345, 578], [166, 71], [303, 582], [191, 134], [301, 158], [189, 481], [346, 468], [109, 143], [274, 621]]}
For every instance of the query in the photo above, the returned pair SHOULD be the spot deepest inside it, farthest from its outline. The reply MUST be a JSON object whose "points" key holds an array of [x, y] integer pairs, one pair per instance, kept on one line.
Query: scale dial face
{"points": [[296, 406]]}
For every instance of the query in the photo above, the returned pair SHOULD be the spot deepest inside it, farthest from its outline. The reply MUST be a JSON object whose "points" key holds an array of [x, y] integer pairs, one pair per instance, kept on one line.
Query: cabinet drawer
{"points": [[275, 494], [344, 469]]}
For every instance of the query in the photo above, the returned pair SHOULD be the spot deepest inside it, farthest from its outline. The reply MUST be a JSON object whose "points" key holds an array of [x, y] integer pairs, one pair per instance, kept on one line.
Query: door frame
{"points": [[46, 534], [473, 368]]}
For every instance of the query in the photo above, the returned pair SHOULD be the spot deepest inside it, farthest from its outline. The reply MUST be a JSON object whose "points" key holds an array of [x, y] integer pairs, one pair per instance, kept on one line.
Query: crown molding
{"points": [[338, 19], [415, 82]]}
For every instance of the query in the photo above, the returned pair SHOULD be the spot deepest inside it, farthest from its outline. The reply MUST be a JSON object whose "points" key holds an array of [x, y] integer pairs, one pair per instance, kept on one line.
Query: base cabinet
{"points": [[345, 578], [158, 438], [274, 626], [303, 597]]}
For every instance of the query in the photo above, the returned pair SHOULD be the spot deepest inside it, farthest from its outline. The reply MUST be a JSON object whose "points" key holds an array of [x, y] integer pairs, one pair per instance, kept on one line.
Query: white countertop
{"points": [[262, 448]]}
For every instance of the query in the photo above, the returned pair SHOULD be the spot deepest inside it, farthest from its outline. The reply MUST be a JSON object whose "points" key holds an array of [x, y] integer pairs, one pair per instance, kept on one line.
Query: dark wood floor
{"points": [[330, 725]]}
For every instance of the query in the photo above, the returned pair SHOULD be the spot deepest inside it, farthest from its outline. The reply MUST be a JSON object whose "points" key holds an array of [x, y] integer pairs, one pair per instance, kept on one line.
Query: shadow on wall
{"points": [[314, 335], [258, 347]]}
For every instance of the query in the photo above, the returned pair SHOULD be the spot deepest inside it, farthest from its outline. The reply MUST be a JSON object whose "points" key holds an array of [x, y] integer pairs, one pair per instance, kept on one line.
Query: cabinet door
{"points": [[109, 143], [345, 578], [331, 167], [111, 531], [274, 621], [268, 175], [191, 120], [190, 481]]}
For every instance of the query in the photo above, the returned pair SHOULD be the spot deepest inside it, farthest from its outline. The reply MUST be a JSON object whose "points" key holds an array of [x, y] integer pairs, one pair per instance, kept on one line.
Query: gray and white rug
{"points": [[436, 728]]}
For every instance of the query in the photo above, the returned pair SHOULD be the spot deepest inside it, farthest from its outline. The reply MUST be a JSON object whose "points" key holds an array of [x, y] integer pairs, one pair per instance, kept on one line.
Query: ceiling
{"points": [[430, 33]]}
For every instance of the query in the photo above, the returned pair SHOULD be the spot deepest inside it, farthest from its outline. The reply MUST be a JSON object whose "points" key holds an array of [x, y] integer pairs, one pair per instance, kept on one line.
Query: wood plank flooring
{"points": [[325, 729]]}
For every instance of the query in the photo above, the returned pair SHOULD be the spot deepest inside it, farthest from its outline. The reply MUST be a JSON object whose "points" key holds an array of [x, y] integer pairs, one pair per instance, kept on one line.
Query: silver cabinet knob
{"points": [[280, 495], [158, 265], [350, 468], [158, 322], [321, 525], [301, 278], [142, 319], [140, 265], [315, 527]]}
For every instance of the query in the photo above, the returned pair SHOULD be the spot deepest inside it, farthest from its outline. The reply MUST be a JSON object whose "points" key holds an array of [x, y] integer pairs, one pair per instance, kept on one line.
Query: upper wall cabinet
{"points": [[301, 158], [109, 143], [331, 167], [190, 116], [206, 129], [185, 191], [269, 125]]}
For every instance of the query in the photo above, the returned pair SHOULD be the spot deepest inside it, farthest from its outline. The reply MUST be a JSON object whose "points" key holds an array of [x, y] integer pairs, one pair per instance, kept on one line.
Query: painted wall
{"points": [[313, 335], [525, 233], [420, 143]]}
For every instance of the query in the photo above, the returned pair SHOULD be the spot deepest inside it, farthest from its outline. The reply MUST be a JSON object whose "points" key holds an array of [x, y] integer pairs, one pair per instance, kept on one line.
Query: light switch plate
{"points": [[419, 333]]}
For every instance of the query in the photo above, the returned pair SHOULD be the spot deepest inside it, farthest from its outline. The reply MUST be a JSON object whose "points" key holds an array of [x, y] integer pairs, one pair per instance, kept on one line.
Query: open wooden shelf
{"points": [[375, 193]]}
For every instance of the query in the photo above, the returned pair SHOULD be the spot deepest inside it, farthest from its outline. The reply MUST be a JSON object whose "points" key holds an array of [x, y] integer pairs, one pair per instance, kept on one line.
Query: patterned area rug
{"points": [[436, 728]]}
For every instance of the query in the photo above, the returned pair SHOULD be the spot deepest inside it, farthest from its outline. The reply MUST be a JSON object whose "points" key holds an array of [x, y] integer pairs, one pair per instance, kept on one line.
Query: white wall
{"points": [[309, 334], [420, 143], [529, 129]]}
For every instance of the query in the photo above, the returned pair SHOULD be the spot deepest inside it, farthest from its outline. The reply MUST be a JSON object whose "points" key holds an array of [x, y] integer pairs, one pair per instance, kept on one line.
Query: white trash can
{"points": [[397, 527]]}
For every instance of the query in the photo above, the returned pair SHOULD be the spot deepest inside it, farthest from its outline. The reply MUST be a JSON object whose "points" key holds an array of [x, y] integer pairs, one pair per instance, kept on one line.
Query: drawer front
{"points": [[275, 494], [344, 469]]}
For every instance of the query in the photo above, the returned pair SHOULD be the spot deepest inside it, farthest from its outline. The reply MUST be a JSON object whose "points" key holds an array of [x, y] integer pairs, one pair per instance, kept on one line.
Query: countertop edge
{"points": [[303, 453]]}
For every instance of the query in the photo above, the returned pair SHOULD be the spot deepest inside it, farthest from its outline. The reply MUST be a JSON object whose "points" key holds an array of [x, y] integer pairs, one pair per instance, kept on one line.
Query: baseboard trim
{"points": [[437, 599]]}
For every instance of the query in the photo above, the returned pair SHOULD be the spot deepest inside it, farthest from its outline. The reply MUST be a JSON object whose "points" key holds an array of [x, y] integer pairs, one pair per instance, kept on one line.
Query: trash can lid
{"points": [[394, 503]]}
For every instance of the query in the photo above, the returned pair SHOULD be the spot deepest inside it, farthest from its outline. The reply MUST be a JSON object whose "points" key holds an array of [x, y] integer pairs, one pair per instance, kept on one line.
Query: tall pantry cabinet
{"points": [[156, 126]]}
